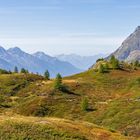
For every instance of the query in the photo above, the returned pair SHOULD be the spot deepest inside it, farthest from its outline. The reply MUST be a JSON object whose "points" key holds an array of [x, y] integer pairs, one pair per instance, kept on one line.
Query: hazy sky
{"points": [[85, 27]]}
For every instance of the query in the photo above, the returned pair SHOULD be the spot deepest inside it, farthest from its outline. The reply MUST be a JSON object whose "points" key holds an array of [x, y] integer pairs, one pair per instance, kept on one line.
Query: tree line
{"points": [[114, 63]]}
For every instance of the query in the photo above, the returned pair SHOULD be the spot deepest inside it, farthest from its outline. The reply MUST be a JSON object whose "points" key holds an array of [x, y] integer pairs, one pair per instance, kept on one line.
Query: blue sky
{"points": [[84, 27]]}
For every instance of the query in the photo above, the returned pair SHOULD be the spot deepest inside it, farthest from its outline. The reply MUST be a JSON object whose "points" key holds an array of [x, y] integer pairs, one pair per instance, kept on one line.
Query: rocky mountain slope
{"points": [[130, 48]]}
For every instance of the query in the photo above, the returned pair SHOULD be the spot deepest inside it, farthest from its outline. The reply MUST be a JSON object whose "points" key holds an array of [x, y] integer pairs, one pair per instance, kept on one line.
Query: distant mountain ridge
{"points": [[82, 62], [130, 49], [37, 62]]}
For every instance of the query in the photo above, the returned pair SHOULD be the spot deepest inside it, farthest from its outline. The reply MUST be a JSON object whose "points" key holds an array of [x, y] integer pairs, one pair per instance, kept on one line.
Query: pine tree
{"points": [[47, 75], [16, 69], [106, 67], [24, 70], [112, 59], [136, 63], [114, 62], [84, 104], [58, 82], [101, 69]]}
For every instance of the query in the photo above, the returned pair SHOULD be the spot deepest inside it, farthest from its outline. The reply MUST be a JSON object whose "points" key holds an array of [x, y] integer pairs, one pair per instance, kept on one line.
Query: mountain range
{"points": [[82, 62], [66, 64], [39, 62], [129, 51], [36, 63]]}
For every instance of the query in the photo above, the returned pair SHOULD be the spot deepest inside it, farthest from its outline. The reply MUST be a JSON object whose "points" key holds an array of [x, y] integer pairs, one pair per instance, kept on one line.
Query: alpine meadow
{"points": [[75, 74]]}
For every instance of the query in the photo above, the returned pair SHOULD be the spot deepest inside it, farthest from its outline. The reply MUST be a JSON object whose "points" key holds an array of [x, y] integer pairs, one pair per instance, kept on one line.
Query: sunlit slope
{"points": [[53, 128], [114, 98]]}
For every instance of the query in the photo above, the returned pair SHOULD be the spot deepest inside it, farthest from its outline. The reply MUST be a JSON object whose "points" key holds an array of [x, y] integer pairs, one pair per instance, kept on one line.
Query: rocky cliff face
{"points": [[130, 48]]}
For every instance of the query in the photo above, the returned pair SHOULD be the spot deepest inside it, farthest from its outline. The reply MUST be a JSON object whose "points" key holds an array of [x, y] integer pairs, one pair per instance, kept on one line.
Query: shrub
{"points": [[125, 133], [2, 71], [33, 106], [100, 59], [136, 63], [41, 111], [138, 80], [112, 130]]}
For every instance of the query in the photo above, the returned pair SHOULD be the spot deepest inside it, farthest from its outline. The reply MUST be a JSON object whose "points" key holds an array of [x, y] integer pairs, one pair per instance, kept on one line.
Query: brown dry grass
{"points": [[88, 130]]}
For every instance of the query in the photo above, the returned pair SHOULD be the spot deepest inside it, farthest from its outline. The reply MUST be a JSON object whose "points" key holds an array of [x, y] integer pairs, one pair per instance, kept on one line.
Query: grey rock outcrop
{"points": [[130, 48]]}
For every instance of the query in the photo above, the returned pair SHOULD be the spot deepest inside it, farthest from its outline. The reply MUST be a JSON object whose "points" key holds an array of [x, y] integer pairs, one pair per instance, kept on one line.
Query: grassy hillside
{"points": [[113, 98], [52, 129]]}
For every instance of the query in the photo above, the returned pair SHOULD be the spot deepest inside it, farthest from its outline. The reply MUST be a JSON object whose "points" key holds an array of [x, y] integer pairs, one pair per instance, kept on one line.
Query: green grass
{"points": [[114, 98], [22, 128]]}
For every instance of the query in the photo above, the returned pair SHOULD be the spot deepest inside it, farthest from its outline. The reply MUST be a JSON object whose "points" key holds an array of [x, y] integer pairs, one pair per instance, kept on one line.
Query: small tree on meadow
{"points": [[24, 70], [84, 104], [101, 69], [114, 62], [136, 63], [106, 67], [58, 82], [100, 59], [9, 72], [112, 59], [16, 69], [47, 75]]}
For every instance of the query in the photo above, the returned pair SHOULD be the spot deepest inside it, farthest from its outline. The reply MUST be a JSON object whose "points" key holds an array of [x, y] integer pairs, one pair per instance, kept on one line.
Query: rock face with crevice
{"points": [[130, 49]]}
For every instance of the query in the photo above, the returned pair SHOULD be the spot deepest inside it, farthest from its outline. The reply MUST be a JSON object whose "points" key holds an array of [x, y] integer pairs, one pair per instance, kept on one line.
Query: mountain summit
{"points": [[130, 49], [15, 50]]}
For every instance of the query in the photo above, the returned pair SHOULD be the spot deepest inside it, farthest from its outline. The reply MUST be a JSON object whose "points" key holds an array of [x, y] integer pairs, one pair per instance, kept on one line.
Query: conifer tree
{"points": [[84, 104], [16, 69], [112, 59], [136, 63], [101, 69], [24, 70], [106, 67], [47, 75], [58, 82], [114, 62]]}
